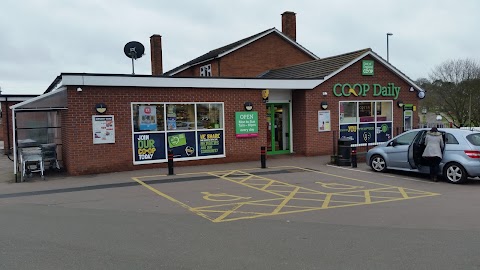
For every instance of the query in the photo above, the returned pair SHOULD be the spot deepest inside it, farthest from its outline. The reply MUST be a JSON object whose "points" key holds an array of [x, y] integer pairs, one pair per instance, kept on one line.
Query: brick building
{"points": [[264, 90]]}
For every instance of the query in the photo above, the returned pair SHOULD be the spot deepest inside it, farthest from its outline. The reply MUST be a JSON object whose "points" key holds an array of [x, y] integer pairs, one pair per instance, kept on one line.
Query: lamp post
{"points": [[388, 34], [470, 109]]}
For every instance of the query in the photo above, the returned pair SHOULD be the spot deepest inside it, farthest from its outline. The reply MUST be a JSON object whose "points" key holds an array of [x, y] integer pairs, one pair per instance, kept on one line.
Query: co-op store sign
{"points": [[361, 89]]}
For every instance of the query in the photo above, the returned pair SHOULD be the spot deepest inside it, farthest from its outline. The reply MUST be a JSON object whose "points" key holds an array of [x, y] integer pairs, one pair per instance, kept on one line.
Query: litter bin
{"points": [[344, 150]]}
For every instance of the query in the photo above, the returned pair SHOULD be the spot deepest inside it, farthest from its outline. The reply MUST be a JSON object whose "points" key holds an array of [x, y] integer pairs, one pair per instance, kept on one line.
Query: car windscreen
{"points": [[474, 139]]}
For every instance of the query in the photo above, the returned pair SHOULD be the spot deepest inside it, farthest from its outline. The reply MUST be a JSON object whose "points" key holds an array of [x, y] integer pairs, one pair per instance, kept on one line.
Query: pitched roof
{"points": [[317, 69], [326, 68], [217, 53]]}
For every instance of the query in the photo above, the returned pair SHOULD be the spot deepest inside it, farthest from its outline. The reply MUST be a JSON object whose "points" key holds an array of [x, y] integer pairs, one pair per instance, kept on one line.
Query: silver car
{"points": [[461, 157]]}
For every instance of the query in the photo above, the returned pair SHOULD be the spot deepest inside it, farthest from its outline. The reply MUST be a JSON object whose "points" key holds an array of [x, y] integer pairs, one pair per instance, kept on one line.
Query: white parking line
{"points": [[384, 174]]}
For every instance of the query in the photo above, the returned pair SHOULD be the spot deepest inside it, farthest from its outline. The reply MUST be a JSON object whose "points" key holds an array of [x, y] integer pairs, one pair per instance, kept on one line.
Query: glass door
{"points": [[278, 128]]}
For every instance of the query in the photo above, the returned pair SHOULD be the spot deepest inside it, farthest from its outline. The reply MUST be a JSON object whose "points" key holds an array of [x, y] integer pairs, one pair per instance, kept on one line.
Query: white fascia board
{"points": [[18, 105], [131, 81], [396, 71], [378, 58], [15, 99]]}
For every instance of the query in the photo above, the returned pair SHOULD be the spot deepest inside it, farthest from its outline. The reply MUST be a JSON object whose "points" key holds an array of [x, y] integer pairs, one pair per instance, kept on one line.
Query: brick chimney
{"points": [[156, 54], [289, 24]]}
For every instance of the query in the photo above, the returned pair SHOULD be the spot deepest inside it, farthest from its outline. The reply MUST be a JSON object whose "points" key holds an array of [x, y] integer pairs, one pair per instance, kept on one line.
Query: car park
{"points": [[461, 155]]}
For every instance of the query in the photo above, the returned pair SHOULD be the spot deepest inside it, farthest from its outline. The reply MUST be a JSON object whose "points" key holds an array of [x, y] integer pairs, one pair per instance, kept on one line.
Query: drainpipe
{"points": [[8, 127]]}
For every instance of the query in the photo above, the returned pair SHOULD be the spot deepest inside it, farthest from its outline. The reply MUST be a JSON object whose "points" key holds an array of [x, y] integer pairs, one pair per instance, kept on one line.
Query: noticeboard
{"points": [[103, 127]]}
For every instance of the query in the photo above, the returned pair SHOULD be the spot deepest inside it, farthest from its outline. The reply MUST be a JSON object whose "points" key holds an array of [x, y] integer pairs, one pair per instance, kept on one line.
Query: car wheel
{"points": [[454, 173], [378, 163]]}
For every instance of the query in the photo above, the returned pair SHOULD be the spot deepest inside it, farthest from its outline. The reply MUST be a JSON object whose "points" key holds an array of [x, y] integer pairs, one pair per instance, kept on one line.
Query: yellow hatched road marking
{"points": [[285, 201], [367, 197], [282, 200]]}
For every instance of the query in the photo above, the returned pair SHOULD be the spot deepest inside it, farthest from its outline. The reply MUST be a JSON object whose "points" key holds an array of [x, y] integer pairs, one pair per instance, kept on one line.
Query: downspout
{"points": [[8, 127], [14, 147]]}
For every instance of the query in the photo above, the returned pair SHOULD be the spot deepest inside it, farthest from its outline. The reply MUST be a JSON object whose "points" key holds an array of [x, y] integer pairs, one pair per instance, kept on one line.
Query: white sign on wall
{"points": [[103, 129], [324, 121]]}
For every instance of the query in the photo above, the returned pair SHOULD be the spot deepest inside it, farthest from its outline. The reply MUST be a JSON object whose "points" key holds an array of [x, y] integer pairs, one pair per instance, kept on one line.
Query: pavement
{"points": [[55, 179]]}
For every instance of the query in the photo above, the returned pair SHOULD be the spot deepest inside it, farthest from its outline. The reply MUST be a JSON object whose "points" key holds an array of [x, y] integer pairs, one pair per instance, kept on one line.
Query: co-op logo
{"points": [[359, 89]]}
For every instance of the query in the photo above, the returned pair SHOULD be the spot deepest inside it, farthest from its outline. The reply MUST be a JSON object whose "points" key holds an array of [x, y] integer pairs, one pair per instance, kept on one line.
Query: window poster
{"points": [[246, 124], [366, 133], [147, 117], [324, 121], [103, 129], [384, 132], [349, 131], [182, 144], [210, 143], [148, 147]]}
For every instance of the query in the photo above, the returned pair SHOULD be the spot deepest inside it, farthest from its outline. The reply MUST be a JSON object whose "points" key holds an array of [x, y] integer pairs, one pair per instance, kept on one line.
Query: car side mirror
{"points": [[393, 143]]}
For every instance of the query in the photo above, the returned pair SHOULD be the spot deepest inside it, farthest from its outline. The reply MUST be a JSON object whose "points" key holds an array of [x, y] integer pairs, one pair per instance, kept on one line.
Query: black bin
{"points": [[344, 151]]}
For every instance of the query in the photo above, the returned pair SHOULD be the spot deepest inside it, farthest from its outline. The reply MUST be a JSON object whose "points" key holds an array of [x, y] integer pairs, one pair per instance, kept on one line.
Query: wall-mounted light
{"points": [[79, 89], [101, 107], [248, 106], [400, 104], [421, 94], [324, 94], [324, 105]]}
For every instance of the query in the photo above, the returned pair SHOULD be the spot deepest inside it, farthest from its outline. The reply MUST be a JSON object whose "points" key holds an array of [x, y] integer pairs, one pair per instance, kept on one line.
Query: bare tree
{"points": [[454, 89]]}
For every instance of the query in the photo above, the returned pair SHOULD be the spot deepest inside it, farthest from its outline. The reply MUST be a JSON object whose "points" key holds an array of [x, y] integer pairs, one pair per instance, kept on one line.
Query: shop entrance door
{"points": [[278, 128]]}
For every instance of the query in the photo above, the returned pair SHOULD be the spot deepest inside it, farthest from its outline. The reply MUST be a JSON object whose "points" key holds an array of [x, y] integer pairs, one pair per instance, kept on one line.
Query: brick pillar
{"points": [[156, 54], [289, 24]]}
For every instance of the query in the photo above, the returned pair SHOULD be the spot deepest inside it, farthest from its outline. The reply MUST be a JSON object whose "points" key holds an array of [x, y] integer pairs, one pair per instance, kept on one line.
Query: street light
{"points": [[388, 34]]}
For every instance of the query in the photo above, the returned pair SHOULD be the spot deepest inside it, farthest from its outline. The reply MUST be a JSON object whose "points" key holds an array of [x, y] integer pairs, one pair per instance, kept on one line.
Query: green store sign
{"points": [[367, 67], [361, 89]]}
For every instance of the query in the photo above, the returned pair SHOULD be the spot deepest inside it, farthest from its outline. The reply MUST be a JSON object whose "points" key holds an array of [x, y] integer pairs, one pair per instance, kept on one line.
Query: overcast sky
{"points": [[39, 39]]}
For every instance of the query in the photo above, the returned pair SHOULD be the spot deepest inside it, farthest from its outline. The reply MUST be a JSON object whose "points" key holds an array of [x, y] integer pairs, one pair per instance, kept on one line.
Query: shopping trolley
{"points": [[31, 161], [49, 155]]}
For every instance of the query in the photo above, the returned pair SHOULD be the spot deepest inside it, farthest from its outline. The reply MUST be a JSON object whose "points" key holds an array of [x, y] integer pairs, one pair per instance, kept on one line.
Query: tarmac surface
{"points": [[298, 213]]}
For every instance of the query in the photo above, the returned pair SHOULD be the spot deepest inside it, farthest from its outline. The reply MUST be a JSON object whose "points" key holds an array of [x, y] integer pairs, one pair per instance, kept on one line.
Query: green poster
{"points": [[246, 124], [177, 140]]}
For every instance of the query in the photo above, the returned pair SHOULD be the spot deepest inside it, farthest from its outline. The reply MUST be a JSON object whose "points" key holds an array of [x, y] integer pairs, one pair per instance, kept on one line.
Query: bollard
{"points": [[170, 162], [354, 157], [263, 157]]}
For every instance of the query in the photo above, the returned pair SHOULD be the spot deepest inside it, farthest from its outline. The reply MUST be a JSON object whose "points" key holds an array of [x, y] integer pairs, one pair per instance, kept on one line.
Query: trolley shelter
{"points": [[37, 127]]}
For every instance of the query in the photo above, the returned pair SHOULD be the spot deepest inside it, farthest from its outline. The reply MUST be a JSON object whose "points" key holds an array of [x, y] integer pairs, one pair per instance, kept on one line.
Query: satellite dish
{"points": [[134, 50]]}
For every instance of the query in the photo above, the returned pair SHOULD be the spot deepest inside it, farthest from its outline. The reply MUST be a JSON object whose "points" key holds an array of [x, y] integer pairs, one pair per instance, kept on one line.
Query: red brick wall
{"points": [[81, 156], [5, 118], [267, 53], [306, 105]]}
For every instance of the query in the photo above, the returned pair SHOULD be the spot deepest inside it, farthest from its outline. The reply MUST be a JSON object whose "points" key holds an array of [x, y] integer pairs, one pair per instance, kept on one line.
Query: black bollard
{"points": [[263, 157], [354, 157], [170, 162]]}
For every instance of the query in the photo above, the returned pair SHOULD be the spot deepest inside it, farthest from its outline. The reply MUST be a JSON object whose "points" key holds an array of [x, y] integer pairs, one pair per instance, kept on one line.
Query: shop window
{"points": [[209, 115], [190, 130], [366, 111], [348, 112], [373, 124], [148, 117], [180, 116], [384, 111]]}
